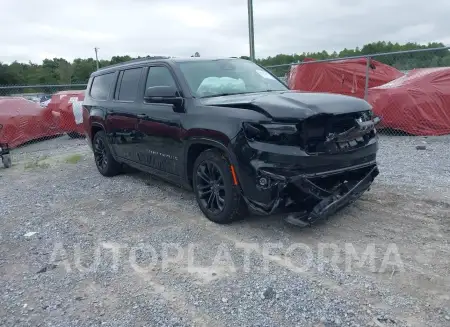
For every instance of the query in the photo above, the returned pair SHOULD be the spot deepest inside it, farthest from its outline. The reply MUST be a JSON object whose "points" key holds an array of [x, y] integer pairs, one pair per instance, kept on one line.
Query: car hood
{"points": [[290, 105]]}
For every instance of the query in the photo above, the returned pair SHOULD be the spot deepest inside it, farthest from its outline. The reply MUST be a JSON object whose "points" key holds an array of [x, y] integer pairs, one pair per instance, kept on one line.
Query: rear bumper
{"points": [[89, 141]]}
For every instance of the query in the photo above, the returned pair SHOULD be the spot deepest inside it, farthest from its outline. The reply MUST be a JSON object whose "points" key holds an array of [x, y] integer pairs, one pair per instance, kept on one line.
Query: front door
{"points": [[160, 126]]}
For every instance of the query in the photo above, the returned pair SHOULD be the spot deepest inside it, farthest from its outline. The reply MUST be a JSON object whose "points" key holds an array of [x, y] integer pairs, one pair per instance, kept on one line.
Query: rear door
{"points": [[99, 98], [121, 115]]}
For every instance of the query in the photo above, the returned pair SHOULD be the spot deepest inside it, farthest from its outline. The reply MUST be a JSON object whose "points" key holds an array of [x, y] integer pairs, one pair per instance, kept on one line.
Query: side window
{"points": [[159, 76], [129, 82], [101, 85]]}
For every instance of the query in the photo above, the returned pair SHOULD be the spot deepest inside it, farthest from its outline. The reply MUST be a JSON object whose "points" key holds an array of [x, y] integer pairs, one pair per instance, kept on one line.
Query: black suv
{"points": [[235, 134]]}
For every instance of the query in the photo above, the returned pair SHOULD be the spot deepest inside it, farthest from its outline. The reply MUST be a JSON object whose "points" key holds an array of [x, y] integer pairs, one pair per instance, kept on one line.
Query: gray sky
{"points": [[34, 30]]}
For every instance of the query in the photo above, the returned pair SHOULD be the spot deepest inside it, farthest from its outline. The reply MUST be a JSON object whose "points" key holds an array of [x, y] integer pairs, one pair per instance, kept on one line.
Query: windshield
{"points": [[228, 76]]}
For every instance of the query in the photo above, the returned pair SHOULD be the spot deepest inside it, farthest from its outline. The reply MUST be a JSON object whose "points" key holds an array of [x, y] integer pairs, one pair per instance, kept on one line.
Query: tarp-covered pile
{"points": [[346, 77], [417, 103], [66, 107], [22, 120]]}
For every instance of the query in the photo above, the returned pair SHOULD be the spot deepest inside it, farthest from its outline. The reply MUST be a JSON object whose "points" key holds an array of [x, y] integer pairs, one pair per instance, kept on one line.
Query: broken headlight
{"points": [[281, 134]]}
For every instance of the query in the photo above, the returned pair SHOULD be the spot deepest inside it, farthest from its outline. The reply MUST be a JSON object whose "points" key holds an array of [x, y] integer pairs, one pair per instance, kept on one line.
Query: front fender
{"points": [[225, 147]]}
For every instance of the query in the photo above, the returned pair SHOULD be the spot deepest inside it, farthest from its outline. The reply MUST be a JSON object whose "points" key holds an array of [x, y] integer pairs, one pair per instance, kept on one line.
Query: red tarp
{"points": [[417, 103], [24, 120], [346, 77], [67, 110]]}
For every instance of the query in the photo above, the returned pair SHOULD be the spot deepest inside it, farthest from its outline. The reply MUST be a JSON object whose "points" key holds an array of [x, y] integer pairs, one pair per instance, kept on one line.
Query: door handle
{"points": [[142, 116]]}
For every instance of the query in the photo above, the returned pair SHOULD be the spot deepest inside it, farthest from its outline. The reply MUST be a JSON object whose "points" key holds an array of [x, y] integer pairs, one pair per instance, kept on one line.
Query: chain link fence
{"points": [[409, 91], [39, 118]]}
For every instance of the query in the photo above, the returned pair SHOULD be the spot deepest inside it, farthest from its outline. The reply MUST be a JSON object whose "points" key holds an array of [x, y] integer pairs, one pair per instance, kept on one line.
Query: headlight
{"points": [[281, 134]]}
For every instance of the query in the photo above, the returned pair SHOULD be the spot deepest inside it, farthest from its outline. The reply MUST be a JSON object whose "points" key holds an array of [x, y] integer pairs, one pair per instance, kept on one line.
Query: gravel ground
{"points": [[78, 249], [402, 164]]}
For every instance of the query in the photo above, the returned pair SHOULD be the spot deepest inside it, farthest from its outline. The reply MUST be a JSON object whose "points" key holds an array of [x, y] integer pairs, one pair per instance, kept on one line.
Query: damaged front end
{"points": [[339, 191], [310, 169]]}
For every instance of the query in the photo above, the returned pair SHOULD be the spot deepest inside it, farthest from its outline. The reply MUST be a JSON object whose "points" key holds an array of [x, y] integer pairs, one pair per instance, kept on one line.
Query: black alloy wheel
{"points": [[101, 158], [105, 162], [217, 194], [211, 187]]}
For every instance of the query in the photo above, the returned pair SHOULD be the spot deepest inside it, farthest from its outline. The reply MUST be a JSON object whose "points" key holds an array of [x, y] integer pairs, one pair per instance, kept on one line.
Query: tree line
{"points": [[60, 71]]}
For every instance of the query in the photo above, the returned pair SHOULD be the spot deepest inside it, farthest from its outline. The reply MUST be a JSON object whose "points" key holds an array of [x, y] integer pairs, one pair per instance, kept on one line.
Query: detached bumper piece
{"points": [[330, 200]]}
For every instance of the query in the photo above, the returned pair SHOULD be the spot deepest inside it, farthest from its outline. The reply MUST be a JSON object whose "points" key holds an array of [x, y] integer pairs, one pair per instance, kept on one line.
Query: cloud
{"points": [[32, 30]]}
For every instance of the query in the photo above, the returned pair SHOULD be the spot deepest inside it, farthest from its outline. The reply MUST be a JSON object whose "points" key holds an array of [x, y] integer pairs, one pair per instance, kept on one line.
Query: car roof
{"points": [[169, 60]]}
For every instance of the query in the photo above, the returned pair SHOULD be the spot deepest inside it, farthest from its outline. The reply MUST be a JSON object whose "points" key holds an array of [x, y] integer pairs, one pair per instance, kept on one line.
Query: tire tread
{"points": [[239, 208], [114, 167]]}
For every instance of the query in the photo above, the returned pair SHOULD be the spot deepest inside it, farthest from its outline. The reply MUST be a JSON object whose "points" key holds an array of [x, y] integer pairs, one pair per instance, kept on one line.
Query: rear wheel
{"points": [[105, 162], [217, 196]]}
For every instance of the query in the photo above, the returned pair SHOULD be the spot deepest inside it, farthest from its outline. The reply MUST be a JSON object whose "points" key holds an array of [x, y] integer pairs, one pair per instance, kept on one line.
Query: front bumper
{"points": [[308, 198], [329, 202]]}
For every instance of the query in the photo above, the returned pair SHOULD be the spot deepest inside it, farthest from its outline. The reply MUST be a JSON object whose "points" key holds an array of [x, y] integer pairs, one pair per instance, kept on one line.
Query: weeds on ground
{"points": [[36, 164], [74, 158], [44, 161]]}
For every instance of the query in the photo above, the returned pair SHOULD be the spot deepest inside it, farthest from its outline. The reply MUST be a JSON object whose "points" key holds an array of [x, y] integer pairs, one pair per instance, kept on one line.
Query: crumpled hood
{"points": [[288, 105]]}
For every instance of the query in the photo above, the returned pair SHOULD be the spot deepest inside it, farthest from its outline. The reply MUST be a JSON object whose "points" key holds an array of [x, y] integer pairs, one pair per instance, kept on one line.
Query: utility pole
{"points": [[251, 31], [96, 56]]}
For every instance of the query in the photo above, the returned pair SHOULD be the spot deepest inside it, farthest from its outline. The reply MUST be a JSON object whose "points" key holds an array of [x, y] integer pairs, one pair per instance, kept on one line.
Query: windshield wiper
{"points": [[235, 93], [224, 94]]}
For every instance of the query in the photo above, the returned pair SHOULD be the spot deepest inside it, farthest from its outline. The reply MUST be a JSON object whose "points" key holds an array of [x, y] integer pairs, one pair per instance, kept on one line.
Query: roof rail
{"points": [[135, 60]]}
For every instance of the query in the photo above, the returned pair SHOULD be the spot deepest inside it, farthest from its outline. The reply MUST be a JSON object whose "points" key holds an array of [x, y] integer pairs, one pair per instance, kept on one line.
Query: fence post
{"points": [[366, 86]]}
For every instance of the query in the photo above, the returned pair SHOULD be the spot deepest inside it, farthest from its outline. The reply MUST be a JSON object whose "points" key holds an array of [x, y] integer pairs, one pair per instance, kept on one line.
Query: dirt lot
{"points": [[78, 249]]}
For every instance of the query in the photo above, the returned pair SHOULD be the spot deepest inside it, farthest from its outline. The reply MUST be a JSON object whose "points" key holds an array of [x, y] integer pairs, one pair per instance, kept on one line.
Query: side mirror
{"points": [[163, 94]]}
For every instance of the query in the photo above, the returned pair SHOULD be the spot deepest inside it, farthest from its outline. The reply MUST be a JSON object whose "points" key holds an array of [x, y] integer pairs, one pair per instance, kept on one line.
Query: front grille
{"points": [[315, 130]]}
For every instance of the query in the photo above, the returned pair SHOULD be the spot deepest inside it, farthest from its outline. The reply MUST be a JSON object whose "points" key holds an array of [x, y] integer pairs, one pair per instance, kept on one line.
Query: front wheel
{"points": [[217, 196], [105, 162]]}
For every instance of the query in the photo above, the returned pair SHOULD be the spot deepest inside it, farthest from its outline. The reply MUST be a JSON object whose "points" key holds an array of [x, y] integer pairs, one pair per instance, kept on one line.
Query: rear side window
{"points": [[128, 86], [101, 86]]}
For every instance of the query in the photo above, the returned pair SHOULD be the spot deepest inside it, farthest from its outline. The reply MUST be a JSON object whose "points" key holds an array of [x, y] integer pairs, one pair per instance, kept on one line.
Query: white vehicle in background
{"points": [[33, 98], [41, 99], [45, 102]]}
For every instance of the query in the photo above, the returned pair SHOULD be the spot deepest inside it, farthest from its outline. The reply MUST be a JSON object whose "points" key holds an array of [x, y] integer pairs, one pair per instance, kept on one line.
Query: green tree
{"points": [[60, 71]]}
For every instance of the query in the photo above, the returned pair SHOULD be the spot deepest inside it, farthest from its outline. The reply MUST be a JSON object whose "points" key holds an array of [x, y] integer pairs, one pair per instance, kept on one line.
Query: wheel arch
{"points": [[195, 146]]}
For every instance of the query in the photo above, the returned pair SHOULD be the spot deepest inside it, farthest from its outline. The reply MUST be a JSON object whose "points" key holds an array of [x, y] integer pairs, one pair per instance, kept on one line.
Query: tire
{"points": [[222, 203], [105, 162], [6, 159], [75, 135]]}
